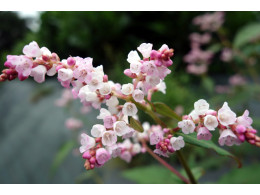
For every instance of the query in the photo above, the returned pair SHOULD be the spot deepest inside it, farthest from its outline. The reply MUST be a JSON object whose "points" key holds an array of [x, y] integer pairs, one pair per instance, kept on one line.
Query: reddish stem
{"points": [[164, 163]]}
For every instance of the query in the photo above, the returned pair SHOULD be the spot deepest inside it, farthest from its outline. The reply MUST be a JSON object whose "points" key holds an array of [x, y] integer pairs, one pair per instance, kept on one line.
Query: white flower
{"points": [[95, 82], [138, 95], [65, 74], [120, 128], [103, 113], [177, 142], [136, 148], [133, 57], [211, 122], [226, 116], [135, 67], [38, 73], [113, 110], [127, 89], [194, 115], [45, 51], [129, 109], [112, 101], [161, 87], [105, 89], [201, 107], [97, 130], [52, 71], [152, 80], [109, 138], [145, 49], [87, 142], [32, 50], [187, 126]]}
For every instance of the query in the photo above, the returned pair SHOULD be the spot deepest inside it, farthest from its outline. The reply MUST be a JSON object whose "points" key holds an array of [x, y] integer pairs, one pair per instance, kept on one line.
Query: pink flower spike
{"points": [[102, 156], [204, 134], [32, 50]]}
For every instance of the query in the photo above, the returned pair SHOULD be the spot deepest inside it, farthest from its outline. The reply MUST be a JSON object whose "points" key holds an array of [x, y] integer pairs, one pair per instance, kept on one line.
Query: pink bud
{"points": [[105, 78], [92, 166], [240, 129], [170, 149], [71, 61], [45, 58], [241, 138], [86, 155], [251, 141], [165, 130], [107, 97], [167, 141], [92, 160], [128, 73]]}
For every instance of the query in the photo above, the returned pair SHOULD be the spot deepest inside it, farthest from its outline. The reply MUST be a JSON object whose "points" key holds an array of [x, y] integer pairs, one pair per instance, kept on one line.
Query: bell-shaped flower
{"points": [[201, 107], [97, 130], [129, 109], [204, 134], [102, 156], [32, 50], [211, 122], [226, 116], [109, 138], [227, 137], [145, 49], [177, 142], [87, 142], [187, 126]]}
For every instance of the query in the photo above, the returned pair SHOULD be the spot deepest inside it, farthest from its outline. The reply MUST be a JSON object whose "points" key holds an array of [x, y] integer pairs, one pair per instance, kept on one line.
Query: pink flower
{"points": [[24, 66], [109, 121], [187, 126], [227, 137], [204, 134], [129, 109], [145, 49], [156, 137], [73, 123], [245, 119], [161, 153], [98, 130], [65, 74], [32, 50], [226, 55], [126, 156], [237, 80], [87, 142], [102, 156]]}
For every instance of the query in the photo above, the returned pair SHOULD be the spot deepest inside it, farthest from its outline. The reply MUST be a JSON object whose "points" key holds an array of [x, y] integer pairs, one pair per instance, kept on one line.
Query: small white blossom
{"points": [[87, 142], [201, 107], [152, 80], [105, 89], [177, 142], [138, 95], [194, 115], [227, 137], [38, 73], [187, 126], [129, 109], [210, 122], [127, 89], [120, 128], [135, 67], [103, 113], [133, 57], [109, 138], [112, 101], [97, 130], [226, 116], [65, 74], [145, 49]]}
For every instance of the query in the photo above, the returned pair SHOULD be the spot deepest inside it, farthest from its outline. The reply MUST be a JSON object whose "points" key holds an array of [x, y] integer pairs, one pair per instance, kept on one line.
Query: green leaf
{"points": [[152, 174], [215, 47], [61, 155], [135, 124], [247, 175], [165, 110], [208, 84], [191, 139], [155, 174], [247, 34]]}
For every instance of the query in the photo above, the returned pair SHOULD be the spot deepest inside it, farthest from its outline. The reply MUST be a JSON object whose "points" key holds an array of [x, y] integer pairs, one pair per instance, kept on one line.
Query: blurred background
{"points": [[217, 58]]}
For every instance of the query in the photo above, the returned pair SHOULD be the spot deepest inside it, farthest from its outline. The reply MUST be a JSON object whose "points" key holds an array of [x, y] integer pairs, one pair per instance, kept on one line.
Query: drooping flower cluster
{"points": [[199, 59], [233, 129]]}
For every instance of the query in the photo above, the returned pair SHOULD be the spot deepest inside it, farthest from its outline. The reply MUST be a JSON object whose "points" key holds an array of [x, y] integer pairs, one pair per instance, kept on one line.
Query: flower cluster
{"points": [[233, 129], [115, 136]]}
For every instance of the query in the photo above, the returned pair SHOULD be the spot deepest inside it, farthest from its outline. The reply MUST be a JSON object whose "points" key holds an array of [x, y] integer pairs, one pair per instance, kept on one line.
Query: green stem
{"points": [[186, 167]]}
